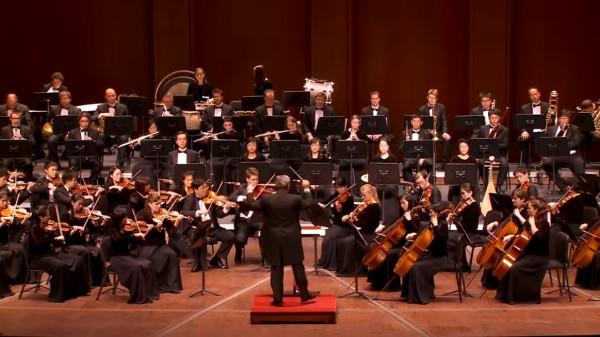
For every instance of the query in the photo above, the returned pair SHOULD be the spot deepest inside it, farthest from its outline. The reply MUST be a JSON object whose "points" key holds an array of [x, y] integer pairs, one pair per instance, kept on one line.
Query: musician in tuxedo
{"points": [[64, 192], [270, 108], [42, 193], [495, 130], [56, 83], [206, 214], [483, 109], [84, 132], [181, 155], [112, 108], [218, 110], [573, 161], [376, 109], [314, 112], [281, 236], [12, 104], [64, 108], [166, 109], [200, 89], [535, 106], [17, 131], [433, 107], [415, 133]]}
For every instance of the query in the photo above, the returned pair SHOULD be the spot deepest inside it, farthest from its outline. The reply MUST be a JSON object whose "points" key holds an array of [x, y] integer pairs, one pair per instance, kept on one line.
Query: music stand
{"points": [[484, 147], [156, 149], [552, 147], [351, 149], [502, 203], [384, 174], [458, 174], [4, 121], [15, 149], [168, 126], [186, 103], [427, 121], [529, 122], [64, 124], [80, 149], [119, 125], [179, 170], [223, 148], [265, 171], [418, 149], [358, 237], [243, 123], [295, 98], [250, 103], [286, 150], [317, 173], [273, 123], [330, 125], [136, 105], [43, 100], [468, 122]]}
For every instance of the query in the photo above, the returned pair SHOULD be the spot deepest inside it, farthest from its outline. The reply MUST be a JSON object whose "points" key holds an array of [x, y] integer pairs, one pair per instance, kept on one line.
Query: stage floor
{"points": [[229, 314]]}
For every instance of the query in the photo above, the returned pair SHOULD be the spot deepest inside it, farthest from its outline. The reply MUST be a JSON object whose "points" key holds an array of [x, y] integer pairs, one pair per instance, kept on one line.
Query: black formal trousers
{"points": [[277, 281]]}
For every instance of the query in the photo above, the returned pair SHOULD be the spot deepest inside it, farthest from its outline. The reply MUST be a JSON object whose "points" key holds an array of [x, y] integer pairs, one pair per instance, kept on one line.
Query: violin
{"points": [[189, 190], [125, 183], [172, 216], [167, 195], [133, 226], [53, 226], [219, 200], [95, 215], [18, 213], [87, 189], [360, 209], [263, 189]]}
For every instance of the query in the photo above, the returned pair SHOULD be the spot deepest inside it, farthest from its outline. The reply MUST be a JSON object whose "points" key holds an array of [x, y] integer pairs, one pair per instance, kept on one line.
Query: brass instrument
{"points": [[434, 131], [596, 116], [552, 108], [47, 130]]}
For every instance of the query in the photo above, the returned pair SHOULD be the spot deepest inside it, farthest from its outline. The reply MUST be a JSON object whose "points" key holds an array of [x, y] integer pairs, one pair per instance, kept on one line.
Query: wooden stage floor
{"points": [[229, 314]]}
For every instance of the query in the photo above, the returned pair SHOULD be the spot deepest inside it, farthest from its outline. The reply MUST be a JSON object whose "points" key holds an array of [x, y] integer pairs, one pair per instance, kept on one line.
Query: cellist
{"points": [[588, 277]]}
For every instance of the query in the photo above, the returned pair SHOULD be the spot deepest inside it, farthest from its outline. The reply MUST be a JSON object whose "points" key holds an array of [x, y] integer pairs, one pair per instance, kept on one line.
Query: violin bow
{"points": [[90, 215]]}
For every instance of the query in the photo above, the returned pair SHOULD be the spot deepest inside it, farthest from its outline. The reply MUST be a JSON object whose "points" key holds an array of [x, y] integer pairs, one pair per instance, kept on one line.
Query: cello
{"points": [[587, 247], [490, 253]]}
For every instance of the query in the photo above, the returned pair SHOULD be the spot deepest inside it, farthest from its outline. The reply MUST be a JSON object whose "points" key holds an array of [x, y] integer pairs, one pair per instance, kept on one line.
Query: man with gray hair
{"points": [[281, 238]]}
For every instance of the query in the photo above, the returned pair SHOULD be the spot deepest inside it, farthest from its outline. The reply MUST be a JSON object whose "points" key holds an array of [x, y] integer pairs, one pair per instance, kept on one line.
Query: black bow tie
{"points": [[535, 105], [181, 151]]}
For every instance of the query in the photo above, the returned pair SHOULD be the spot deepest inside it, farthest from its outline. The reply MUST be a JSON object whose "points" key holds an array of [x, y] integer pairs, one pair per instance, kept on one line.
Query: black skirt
{"points": [[589, 277], [383, 277], [137, 275], [69, 277], [349, 255], [418, 284], [166, 266], [523, 282], [93, 261], [328, 247]]}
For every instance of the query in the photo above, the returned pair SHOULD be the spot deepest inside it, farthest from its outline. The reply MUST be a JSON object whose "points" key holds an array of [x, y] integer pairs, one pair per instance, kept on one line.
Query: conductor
{"points": [[281, 237]]}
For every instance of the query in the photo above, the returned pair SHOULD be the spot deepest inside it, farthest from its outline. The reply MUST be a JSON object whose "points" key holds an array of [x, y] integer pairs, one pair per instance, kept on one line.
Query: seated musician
{"points": [[135, 273], [166, 108], [84, 132], [523, 281], [466, 222], [200, 89], [414, 164], [181, 155], [463, 157], [42, 193], [251, 153], [64, 108], [228, 131], [535, 107], [354, 132], [218, 110], [424, 193], [69, 276], [343, 205], [56, 83], [205, 211], [15, 130], [155, 248], [137, 198], [112, 108], [147, 167], [495, 130], [375, 109], [589, 277], [483, 109], [270, 108], [314, 113], [519, 201], [418, 284], [293, 131], [12, 228], [13, 188], [117, 192], [522, 175], [349, 248], [12, 104], [314, 152], [574, 161], [247, 221]]}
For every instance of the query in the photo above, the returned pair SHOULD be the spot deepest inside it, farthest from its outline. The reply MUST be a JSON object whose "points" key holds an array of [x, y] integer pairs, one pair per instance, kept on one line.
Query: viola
{"points": [[360, 209], [87, 189], [167, 195]]}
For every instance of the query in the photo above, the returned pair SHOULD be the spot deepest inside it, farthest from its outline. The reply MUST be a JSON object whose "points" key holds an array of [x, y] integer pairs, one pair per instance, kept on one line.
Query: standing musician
{"points": [[418, 284], [112, 108], [525, 184], [200, 89], [166, 108], [42, 193], [155, 246], [523, 282], [573, 161], [270, 108], [204, 207], [281, 238], [84, 132], [64, 108], [12, 104], [17, 131], [535, 107], [495, 130], [251, 153], [354, 132], [350, 249], [261, 82], [314, 112], [218, 110], [412, 134], [56, 83], [375, 109], [437, 110], [483, 109]]}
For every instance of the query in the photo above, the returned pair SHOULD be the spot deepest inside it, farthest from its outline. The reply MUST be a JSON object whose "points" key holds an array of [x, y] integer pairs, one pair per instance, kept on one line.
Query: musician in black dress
{"points": [[415, 132], [418, 284], [339, 229], [117, 192], [200, 89], [359, 165], [495, 130], [469, 218], [314, 154], [388, 193], [463, 157], [589, 277], [523, 281], [424, 194], [12, 259], [354, 132], [350, 249]]}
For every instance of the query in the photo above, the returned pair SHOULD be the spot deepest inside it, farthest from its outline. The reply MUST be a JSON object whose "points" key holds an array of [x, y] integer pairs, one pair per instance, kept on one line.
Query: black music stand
{"points": [[223, 148], [286, 150], [168, 126], [250, 103], [217, 125], [273, 123], [374, 125], [384, 174], [458, 174], [529, 122], [15, 149], [265, 172], [43, 100], [4, 121], [243, 124], [64, 124], [468, 122], [502, 203], [156, 149], [186, 103], [317, 173], [81, 149], [482, 148], [350, 150], [295, 98], [360, 239], [119, 125], [136, 105], [419, 149], [328, 126], [179, 170], [552, 147]]}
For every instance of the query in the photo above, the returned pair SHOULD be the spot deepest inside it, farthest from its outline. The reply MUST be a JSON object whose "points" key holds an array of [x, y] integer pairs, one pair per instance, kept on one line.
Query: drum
{"points": [[192, 120], [315, 86]]}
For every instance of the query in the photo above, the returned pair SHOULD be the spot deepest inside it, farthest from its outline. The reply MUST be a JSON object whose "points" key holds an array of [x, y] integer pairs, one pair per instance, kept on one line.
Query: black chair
{"points": [[32, 275], [559, 262], [458, 258], [110, 276]]}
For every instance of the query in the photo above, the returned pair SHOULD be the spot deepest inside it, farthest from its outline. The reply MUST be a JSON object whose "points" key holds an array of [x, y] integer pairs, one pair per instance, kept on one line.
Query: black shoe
{"points": [[310, 297], [238, 256], [217, 263], [277, 303], [196, 267]]}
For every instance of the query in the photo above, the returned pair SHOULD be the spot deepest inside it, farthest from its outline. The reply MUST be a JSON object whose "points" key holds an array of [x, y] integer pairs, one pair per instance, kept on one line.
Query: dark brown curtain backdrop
{"points": [[399, 47]]}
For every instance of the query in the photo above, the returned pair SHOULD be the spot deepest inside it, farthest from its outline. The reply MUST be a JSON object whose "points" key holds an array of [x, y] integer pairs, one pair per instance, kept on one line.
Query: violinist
{"points": [[354, 132], [135, 273], [343, 205], [12, 227], [155, 246], [64, 191], [14, 188], [251, 153], [184, 186], [523, 282], [424, 194], [525, 184], [42, 193], [418, 284], [137, 198], [314, 154], [69, 276], [366, 216], [204, 209], [468, 219], [246, 221], [118, 189]]}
